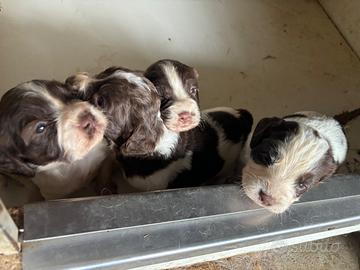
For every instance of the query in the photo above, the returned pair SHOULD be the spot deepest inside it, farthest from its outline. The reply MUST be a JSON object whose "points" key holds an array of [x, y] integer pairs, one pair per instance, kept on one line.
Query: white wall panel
{"points": [[271, 57]]}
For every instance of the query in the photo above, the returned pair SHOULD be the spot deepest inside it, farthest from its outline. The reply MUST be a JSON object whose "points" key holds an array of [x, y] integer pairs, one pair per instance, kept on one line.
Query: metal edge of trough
{"points": [[179, 227]]}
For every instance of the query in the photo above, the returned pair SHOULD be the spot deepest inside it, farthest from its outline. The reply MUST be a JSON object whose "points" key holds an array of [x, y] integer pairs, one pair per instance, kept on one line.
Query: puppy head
{"points": [[132, 106], [286, 159], [178, 87], [40, 123]]}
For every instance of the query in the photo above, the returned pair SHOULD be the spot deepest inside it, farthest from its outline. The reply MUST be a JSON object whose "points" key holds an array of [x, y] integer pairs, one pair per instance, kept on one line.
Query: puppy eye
{"points": [[301, 187], [40, 128], [193, 90]]}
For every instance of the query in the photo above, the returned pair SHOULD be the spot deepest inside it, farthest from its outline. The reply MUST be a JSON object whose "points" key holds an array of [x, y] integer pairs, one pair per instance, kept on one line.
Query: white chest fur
{"points": [[59, 179], [227, 150], [161, 178], [329, 129]]}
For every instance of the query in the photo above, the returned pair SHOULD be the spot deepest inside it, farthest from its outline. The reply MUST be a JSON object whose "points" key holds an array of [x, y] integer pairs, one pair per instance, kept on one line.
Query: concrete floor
{"points": [[270, 57], [341, 252]]}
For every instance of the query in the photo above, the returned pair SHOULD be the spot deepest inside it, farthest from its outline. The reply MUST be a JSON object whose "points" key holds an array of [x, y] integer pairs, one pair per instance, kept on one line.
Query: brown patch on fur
{"points": [[132, 105]]}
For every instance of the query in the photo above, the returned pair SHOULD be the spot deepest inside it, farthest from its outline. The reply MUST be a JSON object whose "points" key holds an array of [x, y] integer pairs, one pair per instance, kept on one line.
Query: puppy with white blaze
{"points": [[287, 156], [50, 138]]}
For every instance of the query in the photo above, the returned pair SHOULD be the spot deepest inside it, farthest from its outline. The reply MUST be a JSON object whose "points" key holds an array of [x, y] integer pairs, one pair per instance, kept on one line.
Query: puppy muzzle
{"points": [[183, 115]]}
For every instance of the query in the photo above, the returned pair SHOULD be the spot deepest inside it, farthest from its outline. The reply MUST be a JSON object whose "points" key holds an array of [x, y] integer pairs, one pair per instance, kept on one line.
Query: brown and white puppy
{"points": [[48, 136], [287, 156], [130, 103]]}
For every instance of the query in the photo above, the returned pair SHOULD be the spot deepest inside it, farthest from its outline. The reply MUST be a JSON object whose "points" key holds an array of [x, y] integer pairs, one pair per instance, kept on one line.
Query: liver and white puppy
{"points": [[287, 156], [131, 105], [49, 137]]}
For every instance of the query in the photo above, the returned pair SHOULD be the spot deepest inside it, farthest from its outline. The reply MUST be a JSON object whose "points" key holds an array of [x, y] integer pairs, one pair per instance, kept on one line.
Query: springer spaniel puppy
{"points": [[173, 150], [208, 144], [131, 105], [287, 156], [49, 137]]}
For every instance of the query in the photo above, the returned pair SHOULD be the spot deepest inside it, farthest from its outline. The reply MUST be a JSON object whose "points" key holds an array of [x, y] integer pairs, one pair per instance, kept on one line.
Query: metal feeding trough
{"points": [[177, 227]]}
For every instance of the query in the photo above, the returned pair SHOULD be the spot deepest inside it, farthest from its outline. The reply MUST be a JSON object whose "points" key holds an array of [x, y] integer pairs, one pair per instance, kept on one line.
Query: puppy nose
{"points": [[88, 122], [266, 199], [184, 117]]}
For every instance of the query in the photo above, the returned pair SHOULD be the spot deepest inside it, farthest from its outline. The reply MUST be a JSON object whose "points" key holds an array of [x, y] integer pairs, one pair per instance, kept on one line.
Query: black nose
{"points": [[266, 199]]}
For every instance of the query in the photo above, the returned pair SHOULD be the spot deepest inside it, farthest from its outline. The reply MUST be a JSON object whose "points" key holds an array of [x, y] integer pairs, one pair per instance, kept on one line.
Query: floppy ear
{"points": [[79, 82], [12, 165], [196, 73], [141, 142], [147, 132], [268, 135], [262, 130], [325, 168]]}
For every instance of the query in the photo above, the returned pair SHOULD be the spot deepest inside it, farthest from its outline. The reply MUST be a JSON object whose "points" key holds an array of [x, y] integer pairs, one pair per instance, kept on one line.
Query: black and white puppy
{"points": [[178, 87], [207, 152], [49, 137], [185, 153], [287, 156]]}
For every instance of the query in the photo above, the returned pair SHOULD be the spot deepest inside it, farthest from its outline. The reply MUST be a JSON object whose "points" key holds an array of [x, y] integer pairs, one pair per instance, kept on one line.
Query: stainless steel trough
{"points": [[158, 230]]}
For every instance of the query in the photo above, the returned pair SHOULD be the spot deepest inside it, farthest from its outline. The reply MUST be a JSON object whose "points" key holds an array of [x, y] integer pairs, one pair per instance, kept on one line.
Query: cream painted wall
{"points": [[271, 57], [346, 16]]}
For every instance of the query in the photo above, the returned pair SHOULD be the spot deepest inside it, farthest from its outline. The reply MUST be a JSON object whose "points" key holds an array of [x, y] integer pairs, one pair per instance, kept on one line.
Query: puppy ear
{"points": [[147, 133], [266, 153], [79, 82], [325, 168], [269, 134], [12, 165], [196, 73], [141, 142], [262, 130]]}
